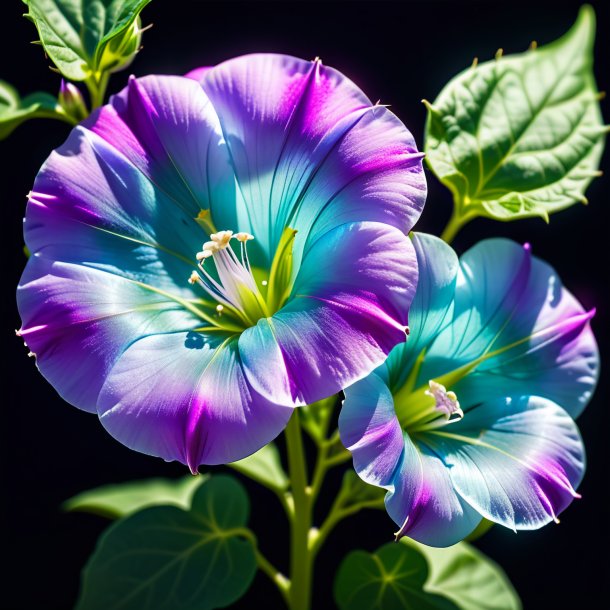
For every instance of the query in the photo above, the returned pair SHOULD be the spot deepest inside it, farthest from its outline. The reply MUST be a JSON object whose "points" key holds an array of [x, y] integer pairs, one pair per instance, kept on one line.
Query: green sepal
{"points": [[280, 276]]}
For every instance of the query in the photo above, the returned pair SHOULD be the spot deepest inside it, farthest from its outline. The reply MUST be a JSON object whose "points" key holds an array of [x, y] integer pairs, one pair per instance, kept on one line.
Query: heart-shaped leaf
{"points": [[83, 38], [165, 558], [521, 135], [391, 578], [14, 110], [467, 577], [114, 501]]}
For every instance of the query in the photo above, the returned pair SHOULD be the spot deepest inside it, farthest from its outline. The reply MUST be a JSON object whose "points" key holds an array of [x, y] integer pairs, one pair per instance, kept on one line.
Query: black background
{"points": [[398, 52]]}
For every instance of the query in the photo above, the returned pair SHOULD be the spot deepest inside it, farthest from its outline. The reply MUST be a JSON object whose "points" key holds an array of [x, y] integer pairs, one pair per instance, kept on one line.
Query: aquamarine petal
{"points": [[432, 306], [310, 151], [339, 324], [421, 498], [517, 461], [524, 331]]}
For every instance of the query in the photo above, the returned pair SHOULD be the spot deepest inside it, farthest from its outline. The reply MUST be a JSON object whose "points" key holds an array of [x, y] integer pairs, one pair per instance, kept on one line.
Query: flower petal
{"points": [[370, 430], [185, 397], [308, 148], [516, 461], [77, 321], [421, 498], [167, 127], [432, 306], [531, 335], [90, 205], [340, 324]]}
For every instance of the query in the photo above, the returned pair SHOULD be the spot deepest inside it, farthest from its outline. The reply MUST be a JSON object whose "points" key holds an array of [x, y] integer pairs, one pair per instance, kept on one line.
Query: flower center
{"points": [[428, 408], [230, 284], [446, 402]]}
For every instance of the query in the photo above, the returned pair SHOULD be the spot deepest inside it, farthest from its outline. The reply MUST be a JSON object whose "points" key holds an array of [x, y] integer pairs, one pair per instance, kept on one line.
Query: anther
{"points": [[446, 401]]}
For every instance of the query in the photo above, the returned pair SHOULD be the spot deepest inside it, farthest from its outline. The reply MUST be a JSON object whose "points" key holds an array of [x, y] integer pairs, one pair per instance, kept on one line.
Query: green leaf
{"points": [[466, 576], [521, 135], [114, 501], [14, 110], [265, 467], [392, 577], [76, 35], [165, 558], [355, 492]]}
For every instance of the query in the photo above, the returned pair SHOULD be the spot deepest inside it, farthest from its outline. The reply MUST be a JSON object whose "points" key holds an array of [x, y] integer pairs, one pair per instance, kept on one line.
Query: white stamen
{"points": [[446, 401], [233, 284], [204, 254], [222, 238], [211, 246], [264, 282]]}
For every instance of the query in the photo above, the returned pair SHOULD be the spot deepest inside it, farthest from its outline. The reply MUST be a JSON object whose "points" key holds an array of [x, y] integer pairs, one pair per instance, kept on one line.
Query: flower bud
{"points": [[121, 50], [71, 100]]}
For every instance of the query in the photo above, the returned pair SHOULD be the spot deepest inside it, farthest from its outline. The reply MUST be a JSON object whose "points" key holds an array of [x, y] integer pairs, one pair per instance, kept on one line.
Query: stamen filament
{"points": [[236, 288]]}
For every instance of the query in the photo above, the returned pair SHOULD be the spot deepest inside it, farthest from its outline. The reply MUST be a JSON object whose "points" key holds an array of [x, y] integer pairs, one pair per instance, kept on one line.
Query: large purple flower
{"points": [[472, 417], [192, 342]]}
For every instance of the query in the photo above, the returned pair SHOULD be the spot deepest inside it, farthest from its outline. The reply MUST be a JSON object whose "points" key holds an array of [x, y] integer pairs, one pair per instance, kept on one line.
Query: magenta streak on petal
{"points": [[567, 329], [32, 329], [362, 305], [195, 433], [398, 156], [140, 115], [110, 126], [417, 510], [198, 74]]}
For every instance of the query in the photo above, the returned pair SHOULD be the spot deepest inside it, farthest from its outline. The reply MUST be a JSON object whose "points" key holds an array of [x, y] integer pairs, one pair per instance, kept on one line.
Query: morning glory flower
{"points": [[473, 416], [207, 256]]}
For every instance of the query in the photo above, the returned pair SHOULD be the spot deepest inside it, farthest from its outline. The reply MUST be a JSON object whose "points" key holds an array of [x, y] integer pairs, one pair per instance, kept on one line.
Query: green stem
{"points": [[282, 583], [301, 558], [337, 514], [456, 222], [97, 89]]}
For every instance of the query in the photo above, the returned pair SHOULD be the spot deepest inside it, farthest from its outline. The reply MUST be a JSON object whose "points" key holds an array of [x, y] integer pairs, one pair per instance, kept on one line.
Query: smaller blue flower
{"points": [[473, 417]]}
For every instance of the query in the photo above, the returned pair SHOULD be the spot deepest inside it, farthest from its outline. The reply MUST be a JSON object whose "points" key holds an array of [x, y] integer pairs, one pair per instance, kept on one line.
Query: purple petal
{"points": [[308, 148], [338, 325], [421, 498], [166, 127], [198, 74], [185, 397], [77, 321]]}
